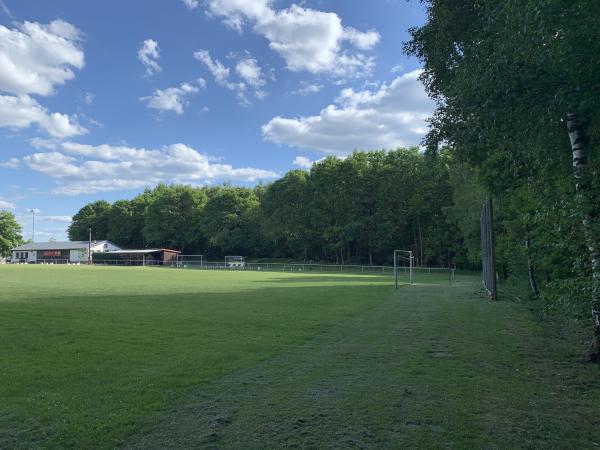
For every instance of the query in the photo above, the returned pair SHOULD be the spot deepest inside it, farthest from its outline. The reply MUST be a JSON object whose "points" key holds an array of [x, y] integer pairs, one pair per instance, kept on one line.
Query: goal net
{"points": [[403, 264], [235, 262]]}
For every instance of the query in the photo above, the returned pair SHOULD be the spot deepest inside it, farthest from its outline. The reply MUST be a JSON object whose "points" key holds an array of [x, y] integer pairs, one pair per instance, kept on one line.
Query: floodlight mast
{"points": [[410, 265]]}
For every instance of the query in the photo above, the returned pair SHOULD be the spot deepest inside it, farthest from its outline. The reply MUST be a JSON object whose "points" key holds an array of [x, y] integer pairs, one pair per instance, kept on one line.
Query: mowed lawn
{"points": [[94, 357], [90, 354]]}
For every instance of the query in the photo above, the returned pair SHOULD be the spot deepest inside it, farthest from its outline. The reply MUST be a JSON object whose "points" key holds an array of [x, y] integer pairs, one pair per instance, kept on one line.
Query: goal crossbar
{"points": [[406, 255]]}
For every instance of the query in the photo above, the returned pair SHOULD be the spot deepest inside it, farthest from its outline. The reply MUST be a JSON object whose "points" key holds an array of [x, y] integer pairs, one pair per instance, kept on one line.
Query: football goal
{"points": [[235, 262], [403, 263]]}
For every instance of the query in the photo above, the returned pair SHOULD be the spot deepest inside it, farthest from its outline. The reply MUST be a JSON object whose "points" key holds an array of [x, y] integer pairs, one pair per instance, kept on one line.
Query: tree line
{"points": [[353, 210]]}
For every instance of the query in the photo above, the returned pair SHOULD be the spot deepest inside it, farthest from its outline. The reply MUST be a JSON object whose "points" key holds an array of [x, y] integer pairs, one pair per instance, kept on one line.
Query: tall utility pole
{"points": [[90, 247], [32, 211]]}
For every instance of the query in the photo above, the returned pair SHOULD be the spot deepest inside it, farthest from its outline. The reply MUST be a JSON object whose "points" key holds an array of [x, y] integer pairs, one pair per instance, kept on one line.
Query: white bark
{"points": [[576, 127]]}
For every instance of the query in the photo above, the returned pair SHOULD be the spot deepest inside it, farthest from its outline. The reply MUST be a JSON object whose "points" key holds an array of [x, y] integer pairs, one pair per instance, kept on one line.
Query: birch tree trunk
{"points": [[530, 269], [576, 127]]}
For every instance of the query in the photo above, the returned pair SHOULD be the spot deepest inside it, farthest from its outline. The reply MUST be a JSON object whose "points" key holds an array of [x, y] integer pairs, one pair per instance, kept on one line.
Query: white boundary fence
{"points": [[199, 262], [48, 262]]}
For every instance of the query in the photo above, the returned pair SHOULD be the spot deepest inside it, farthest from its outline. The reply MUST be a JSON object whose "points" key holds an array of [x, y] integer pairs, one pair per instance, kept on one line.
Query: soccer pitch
{"points": [[102, 357]]}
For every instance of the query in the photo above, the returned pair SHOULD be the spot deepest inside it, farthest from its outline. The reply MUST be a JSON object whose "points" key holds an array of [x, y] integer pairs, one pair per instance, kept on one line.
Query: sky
{"points": [[100, 100]]}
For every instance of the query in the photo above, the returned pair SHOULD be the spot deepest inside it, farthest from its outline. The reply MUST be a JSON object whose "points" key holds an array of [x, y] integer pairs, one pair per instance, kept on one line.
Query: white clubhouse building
{"points": [[60, 252]]}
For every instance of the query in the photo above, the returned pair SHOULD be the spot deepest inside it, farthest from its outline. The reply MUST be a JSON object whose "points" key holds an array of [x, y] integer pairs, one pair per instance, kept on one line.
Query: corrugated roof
{"points": [[148, 250], [145, 250], [70, 245]]}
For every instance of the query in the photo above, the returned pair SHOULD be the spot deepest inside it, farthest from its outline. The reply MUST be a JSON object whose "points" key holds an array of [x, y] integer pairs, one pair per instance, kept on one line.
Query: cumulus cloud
{"points": [[6, 204], [303, 161], [307, 163], [308, 39], [308, 89], [214, 66], [24, 111], [172, 99], [362, 40], [12, 163], [392, 116], [80, 168], [191, 4], [148, 54], [36, 57], [248, 70]]}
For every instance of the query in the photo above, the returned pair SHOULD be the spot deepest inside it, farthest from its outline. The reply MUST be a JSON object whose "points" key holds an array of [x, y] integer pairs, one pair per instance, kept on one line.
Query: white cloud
{"points": [[48, 144], [6, 205], [191, 4], [148, 54], [170, 99], [362, 40], [308, 39], [235, 13], [23, 111], [88, 98], [393, 116], [216, 68], [308, 89], [303, 161], [307, 163], [248, 70], [397, 68], [12, 163], [79, 168], [6, 10], [35, 57], [57, 219]]}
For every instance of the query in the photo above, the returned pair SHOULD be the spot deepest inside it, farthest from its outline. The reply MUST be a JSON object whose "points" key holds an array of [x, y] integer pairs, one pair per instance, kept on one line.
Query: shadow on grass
{"points": [[414, 373], [83, 371], [342, 280]]}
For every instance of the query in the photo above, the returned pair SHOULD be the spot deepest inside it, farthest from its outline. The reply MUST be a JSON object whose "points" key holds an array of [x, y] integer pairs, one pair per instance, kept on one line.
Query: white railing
{"points": [[307, 267], [45, 261]]}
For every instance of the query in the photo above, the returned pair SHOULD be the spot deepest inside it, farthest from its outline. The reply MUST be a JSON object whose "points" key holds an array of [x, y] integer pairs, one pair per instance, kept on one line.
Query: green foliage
{"points": [[353, 210], [95, 216], [467, 199], [126, 221], [505, 74], [172, 217], [10, 233], [230, 220]]}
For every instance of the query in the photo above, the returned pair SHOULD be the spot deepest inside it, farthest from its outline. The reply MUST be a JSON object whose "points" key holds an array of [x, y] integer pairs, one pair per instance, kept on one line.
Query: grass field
{"points": [[104, 357]]}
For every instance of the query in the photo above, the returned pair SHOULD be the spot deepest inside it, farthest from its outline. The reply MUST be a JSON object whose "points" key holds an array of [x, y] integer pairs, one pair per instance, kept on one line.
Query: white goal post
{"points": [[403, 256], [235, 262]]}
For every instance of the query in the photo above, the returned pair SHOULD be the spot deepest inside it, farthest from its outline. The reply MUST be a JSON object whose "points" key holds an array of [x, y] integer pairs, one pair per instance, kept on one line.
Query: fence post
{"points": [[487, 249]]}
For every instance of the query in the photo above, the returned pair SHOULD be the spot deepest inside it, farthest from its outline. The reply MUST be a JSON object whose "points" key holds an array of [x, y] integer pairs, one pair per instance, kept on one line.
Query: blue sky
{"points": [[101, 99]]}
